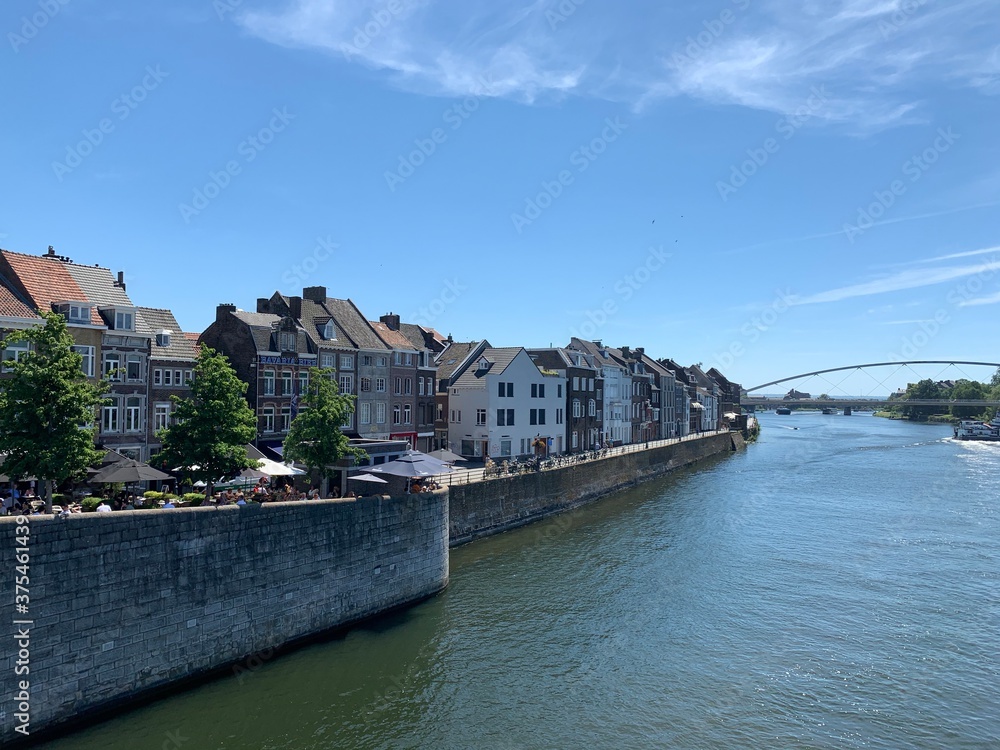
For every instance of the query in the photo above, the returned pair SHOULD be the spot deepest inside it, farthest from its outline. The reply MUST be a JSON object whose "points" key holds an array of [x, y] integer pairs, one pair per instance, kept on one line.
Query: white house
{"points": [[502, 406]]}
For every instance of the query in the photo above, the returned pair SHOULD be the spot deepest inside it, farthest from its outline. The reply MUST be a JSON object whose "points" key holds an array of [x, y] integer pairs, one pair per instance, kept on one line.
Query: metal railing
{"points": [[515, 468]]}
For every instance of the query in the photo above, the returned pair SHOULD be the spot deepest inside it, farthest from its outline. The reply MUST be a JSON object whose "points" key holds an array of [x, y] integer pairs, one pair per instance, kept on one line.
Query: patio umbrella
{"points": [[445, 455], [420, 465], [275, 469], [368, 478], [128, 471], [251, 474]]}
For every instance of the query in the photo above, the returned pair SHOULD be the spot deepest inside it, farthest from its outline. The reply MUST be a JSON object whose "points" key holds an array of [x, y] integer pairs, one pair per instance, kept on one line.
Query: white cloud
{"points": [[911, 278], [992, 299], [871, 55]]}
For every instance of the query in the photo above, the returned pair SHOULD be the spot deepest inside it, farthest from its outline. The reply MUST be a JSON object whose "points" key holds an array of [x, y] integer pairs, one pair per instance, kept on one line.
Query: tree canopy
{"points": [[48, 408], [315, 438], [213, 425]]}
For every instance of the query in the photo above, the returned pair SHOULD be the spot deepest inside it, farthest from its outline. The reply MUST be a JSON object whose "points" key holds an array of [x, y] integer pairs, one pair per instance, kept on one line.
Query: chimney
{"points": [[597, 342], [52, 252], [223, 310], [121, 280], [263, 305], [450, 340], [626, 352], [640, 350], [391, 321], [295, 307], [314, 293]]}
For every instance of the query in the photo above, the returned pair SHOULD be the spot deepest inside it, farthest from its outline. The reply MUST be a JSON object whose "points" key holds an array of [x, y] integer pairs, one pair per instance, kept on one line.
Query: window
{"points": [[558, 390], [590, 384], [348, 421], [133, 368], [303, 382], [536, 416], [76, 313], [286, 418], [382, 361], [577, 411], [599, 394], [178, 378], [407, 414], [538, 390], [109, 417], [286, 383], [440, 412], [559, 416], [480, 417], [133, 414], [576, 383], [420, 386], [398, 358], [87, 365], [430, 386], [168, 377], [366, 412], [112, 365], [346, 382], [398, 386], [366, 360], [576, 440], [326, 361], [161, 416], [380, 385], [505, 447], [157, 377], [380, 412], [505, 390], [329, 332], [346, 361], [366, 384], [408, 386], [395, 414], [163, 338], [13, 352], [505, 417], [408, 358], [268, 382], [286, 342], [123, 321], [592, 408], [268, 413], [188, 377]]}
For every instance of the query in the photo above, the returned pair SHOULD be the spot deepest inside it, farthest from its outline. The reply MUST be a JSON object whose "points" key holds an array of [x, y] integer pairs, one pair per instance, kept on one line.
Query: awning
{"points": [[696, 405]]}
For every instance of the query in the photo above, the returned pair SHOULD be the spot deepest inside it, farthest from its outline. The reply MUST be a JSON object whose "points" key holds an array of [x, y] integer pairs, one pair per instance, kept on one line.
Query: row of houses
{"points": [[410, 382]]}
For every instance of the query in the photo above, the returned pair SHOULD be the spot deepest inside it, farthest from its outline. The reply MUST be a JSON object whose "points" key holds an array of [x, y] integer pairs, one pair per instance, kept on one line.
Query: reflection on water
{"points": [[833, 586]]}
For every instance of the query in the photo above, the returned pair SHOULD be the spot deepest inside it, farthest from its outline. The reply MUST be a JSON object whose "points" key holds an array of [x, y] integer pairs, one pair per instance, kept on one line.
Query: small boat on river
{"points": [[783, 411]]}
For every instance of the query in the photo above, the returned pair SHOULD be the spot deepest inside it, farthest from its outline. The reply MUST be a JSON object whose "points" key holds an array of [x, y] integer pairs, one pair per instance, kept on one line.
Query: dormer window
{"points": [[163, 337], [286, 342], [329, 332], [74, 312], [483, 364], [121, 318]]}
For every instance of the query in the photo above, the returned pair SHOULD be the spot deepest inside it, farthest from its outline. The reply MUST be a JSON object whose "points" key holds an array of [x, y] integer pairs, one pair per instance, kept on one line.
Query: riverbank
{"points": [[932, 419]]}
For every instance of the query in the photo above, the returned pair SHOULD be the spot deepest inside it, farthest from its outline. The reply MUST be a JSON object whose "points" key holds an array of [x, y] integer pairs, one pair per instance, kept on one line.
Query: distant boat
{"points": [[783, 411], [829, 410]]}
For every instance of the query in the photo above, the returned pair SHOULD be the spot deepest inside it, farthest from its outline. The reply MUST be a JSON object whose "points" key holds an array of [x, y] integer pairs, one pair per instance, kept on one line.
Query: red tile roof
{"points": [[47, 281], [12, 306]]}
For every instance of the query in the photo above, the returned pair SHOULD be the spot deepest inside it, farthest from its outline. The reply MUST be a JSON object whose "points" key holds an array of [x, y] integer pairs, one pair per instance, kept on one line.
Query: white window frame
{"points": [[267, 415], [407, 414], [161, 415], [113, 366], [380, 412], [268, 388], [87, 363], [133, 414], [110, 418], [365, 416], [346, 361]]}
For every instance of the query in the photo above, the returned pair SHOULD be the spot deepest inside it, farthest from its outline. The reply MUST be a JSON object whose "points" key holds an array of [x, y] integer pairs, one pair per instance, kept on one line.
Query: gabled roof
{"points": [[393, 339], [349, 318], [423, 337], [98, 284], [150, 320], [13, 305], [43, 281], [455, 355], [498, 358], [602, 355]]}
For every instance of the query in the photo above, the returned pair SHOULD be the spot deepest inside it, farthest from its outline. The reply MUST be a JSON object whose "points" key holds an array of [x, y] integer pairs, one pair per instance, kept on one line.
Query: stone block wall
{"points": [[127, 602], [505, 503]]}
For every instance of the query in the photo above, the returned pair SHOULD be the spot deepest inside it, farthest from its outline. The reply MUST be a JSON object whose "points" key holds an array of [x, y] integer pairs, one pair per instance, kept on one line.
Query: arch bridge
{"points": [[751, 401]]}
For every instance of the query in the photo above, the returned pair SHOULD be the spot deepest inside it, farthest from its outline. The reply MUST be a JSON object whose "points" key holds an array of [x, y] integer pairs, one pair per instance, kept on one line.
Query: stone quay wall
{"points": [[497, 505], [124, 604]]}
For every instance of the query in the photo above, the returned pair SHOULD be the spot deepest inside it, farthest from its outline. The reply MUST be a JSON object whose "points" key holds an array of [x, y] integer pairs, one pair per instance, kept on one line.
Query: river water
{"points": [[834, 586]]}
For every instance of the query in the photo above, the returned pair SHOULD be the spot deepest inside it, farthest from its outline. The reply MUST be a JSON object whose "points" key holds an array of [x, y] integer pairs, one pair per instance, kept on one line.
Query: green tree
{"points": [[967, 390], [315, 438], [213, 426], [44, 408], [922, 390]]}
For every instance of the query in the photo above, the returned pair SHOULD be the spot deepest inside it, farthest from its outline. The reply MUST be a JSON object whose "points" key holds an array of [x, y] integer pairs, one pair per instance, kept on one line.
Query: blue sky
{"points": [[769, 187]]}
